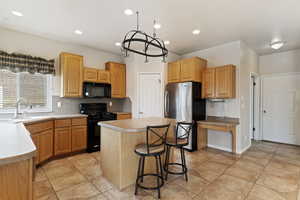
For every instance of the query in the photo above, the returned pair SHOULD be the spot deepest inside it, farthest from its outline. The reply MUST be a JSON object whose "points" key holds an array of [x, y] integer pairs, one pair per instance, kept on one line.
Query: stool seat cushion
{"points": [[180, 142], [142, 149]]}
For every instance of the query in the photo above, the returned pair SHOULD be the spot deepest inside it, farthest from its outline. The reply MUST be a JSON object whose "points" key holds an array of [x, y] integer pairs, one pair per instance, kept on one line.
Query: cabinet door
{"points": [[90, 74], [225, 82], [62, 140], [174, 72], [123, 116], [208, 83], [79, 138], [191, 69], [103, 76], [46, 145], [117, 79], [187, 70], [71, 74], [36, 141]]}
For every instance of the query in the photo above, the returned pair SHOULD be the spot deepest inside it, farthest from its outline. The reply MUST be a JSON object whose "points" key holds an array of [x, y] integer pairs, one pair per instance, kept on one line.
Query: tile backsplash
{"points": [[71, 105]]}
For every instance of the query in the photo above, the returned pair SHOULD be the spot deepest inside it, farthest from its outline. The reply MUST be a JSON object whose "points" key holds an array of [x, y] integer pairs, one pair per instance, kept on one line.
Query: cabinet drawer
{"points": [[79, 121], [39, 126], [123, 116], [62, 123]]}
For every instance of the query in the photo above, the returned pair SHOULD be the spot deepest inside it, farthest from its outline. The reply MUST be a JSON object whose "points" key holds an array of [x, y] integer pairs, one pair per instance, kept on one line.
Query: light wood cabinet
{"points": [[219, 82], [189, 69], [96, 75], [123, 116], [42, 137], [62, 140], [45, 145], [79, 138], [225, 81], [36, 141], [174, 72], [117, 79], [90, 74], [103, 76], [208, 83], [71, 67]]}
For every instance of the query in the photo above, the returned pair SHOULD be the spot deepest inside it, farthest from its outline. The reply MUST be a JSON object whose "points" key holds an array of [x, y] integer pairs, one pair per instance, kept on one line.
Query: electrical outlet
{"points": [[110, 104], [59, 104]]}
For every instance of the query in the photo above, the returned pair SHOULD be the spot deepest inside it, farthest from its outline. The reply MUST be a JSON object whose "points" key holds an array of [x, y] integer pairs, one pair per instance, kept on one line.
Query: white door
{"points": [[150, 95], [281, 108]]}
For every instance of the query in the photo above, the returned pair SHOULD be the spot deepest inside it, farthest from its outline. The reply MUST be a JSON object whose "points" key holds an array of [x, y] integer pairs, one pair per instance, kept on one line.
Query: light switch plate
{"points": [[59, 104]]}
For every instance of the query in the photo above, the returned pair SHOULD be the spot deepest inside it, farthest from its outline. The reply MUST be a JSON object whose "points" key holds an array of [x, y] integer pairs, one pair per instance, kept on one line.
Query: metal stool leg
{"points": [[167, 162], [157, 171], [143, 166], [161, 169], [137, 176], [184, 164]]}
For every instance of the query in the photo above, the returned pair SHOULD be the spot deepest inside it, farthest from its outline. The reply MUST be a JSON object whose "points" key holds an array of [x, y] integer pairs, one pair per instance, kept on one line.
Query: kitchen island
{"points": [[118, 140]]}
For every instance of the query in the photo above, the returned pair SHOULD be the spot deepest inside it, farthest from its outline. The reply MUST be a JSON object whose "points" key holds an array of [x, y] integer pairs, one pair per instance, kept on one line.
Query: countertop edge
{"points": [[31, 152], [126, 130]]}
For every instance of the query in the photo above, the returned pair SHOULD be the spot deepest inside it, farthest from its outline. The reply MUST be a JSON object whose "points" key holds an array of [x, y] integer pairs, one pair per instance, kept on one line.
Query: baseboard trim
{"points": [[220, 148], [227, 149]]}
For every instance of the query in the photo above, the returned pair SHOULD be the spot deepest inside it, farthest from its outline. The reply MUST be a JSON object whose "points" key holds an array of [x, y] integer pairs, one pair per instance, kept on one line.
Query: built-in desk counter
{"points": [[118, 140], [224, 124]]}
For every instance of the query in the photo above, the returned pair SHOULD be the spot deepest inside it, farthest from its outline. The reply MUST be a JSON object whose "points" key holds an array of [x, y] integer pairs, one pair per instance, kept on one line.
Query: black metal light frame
{"points": [[137, 36]]}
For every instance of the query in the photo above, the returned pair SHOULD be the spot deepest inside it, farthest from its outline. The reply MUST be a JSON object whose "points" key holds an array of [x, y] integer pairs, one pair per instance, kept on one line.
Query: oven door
{"points": [[94, 135], [96, 90]]}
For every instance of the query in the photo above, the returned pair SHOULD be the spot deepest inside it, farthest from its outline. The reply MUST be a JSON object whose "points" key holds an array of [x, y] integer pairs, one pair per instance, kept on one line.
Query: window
{"points": [[33, 88]]}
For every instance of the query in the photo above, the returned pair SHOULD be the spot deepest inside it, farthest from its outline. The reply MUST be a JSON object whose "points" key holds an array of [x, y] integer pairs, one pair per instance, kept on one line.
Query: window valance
{"points": [[26, 63]]}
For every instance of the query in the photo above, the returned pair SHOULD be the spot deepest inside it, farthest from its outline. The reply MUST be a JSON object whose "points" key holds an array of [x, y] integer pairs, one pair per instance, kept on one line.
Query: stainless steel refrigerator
{"points": [[183, 102]]}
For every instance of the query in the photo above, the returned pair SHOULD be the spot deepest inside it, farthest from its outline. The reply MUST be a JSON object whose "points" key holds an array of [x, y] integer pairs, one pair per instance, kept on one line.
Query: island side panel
{"points": [[111, 155]]}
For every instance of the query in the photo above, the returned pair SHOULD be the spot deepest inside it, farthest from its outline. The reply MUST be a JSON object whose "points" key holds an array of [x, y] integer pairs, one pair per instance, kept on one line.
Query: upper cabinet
{"points": [[96, 75], [219, 82], [117, 79], [71, 66], [189, 69]]}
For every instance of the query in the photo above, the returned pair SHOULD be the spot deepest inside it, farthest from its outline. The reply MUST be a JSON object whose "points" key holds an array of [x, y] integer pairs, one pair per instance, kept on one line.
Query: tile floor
{"points": [[267, 171]]}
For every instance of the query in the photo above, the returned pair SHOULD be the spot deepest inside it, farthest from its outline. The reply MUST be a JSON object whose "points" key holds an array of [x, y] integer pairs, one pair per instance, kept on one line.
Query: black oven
{"points": [[96, 112], [96, 90]]}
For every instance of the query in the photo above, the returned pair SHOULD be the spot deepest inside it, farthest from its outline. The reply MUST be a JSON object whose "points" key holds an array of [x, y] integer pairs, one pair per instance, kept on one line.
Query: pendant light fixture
{"points": [[139, 42]]}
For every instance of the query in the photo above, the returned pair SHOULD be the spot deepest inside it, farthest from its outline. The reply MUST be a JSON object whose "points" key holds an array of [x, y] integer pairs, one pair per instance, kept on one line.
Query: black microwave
{"points": [[96, 90]]}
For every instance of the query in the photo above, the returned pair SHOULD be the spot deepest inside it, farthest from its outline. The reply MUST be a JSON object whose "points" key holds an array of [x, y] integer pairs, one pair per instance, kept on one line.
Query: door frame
{"points": [[257, 98], [261, 92], [161, 91]]}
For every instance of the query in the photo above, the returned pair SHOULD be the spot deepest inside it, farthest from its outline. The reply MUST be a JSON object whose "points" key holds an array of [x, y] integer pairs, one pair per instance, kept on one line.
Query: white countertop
{"points": [[15, 140], [135, 125]]}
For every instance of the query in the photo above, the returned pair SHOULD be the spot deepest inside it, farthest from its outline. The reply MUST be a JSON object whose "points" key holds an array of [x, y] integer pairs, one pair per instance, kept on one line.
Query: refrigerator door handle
{"points": [[166, 103]]}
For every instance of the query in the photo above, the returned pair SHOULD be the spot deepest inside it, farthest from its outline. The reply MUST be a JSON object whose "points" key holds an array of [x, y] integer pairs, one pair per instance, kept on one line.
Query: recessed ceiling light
{"points": [[17, 13], [128, 12], [118, 44], [78, 32], [277, 45], [167, 42], [157, 26], [196, 32]]}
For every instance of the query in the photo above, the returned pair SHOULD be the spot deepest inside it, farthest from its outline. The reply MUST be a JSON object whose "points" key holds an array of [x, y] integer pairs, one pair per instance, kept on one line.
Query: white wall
{"points": [[136, 64], [284, 62], [248, 64], [11, 41], [216, 56]]}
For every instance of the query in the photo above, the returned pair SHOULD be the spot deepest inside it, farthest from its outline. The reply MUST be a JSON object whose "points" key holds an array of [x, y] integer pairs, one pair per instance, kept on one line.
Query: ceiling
{"points": [[256, 22]]}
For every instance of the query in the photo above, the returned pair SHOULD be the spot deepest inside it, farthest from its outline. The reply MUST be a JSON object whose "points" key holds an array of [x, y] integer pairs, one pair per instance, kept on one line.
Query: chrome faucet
{"points": [[20, 101]]}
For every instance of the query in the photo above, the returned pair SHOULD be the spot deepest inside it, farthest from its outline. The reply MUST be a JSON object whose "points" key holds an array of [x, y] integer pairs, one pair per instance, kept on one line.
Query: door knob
{"points": [[265, 111]]}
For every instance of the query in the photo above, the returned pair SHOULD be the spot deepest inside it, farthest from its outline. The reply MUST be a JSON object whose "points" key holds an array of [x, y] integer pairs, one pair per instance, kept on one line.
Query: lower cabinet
{"points": [[57, 137], [62, 140], [79, 138], [46, 145]]}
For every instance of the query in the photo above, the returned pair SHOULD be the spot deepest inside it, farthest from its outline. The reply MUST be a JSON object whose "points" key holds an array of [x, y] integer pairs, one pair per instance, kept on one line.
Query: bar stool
{"points": [[154, 146], [180, 139]]}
